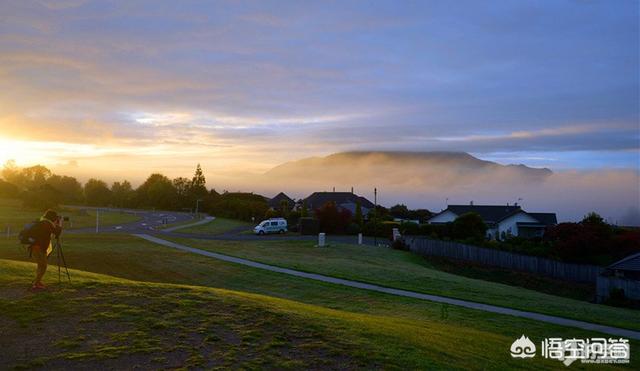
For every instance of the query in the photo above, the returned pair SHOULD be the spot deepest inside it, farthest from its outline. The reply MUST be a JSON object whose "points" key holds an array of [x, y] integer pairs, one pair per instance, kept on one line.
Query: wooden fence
{"points": [[504, 259]]}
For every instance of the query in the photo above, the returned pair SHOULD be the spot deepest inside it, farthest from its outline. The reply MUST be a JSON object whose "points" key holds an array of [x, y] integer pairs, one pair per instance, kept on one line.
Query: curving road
{"points": [[151, 222]]}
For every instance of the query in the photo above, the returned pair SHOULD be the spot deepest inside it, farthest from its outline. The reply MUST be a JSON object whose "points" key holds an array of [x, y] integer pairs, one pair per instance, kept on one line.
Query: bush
{"points": [[332, 219], [353, 228], [308, 226], [237, 205], [469, 226], [380, 229], [399, 244]]}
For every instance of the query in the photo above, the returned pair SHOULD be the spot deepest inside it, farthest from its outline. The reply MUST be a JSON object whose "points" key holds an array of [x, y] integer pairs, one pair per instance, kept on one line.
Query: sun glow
{"points": [[27, 153]]}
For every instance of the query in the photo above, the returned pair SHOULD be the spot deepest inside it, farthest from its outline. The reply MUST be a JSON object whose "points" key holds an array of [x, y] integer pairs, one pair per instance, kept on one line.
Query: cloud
{"points": [[420, 180], [245, 86]]}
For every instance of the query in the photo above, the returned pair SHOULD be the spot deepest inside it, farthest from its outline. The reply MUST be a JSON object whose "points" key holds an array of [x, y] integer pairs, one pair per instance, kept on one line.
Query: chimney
{"points": [[334, 189], [351, 190], [471, 202]]}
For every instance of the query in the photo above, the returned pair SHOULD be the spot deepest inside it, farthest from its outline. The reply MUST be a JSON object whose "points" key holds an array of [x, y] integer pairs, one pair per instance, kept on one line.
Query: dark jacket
{"points": [[42, 232]]}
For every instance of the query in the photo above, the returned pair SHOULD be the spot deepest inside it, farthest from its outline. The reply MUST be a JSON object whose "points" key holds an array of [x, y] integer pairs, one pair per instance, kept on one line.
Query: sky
{"points": [[119, 89]]}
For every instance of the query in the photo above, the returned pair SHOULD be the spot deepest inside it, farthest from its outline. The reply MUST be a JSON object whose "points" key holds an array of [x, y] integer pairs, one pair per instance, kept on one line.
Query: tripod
{"points": [[60, 256]]}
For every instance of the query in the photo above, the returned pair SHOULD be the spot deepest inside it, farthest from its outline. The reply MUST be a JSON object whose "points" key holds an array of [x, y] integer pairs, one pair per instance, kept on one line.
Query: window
{"points": [[274, 223]]}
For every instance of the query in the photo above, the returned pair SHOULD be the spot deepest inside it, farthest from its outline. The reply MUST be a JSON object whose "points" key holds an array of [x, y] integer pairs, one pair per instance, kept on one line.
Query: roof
{"points": [[630, 263], [277, 199], [493, 214], [318, 199], [545, 218], [488, 213]]}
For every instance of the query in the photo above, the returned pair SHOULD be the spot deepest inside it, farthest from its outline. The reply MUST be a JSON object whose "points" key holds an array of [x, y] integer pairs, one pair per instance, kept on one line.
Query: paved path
{"points": [[206, 220], [410, 294]]}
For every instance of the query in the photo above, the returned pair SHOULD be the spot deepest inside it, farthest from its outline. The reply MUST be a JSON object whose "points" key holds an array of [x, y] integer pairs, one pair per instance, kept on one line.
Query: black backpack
{"points": [[26, 234]]}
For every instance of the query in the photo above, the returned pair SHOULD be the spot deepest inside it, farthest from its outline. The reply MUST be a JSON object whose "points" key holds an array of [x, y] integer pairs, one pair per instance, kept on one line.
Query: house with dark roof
{"points": [[343, 200], [276, 202], [501, 220], [623, 275]]}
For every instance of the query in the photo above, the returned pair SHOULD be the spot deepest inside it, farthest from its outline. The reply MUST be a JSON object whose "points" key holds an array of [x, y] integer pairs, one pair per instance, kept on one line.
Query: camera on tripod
{"points": [[63, 218]]}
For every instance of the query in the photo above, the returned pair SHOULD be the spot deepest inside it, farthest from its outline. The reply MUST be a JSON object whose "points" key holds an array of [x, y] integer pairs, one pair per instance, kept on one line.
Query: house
{"points": [[343, 200], [276, 202], [501, 220], [623, 275]]}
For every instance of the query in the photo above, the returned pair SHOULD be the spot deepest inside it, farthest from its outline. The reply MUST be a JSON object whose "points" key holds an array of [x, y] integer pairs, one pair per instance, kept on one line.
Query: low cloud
{"points": [[428, 183]]}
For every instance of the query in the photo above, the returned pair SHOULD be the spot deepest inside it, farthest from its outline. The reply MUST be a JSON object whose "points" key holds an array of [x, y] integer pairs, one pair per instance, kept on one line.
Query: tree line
{"points": [[39, 188]]}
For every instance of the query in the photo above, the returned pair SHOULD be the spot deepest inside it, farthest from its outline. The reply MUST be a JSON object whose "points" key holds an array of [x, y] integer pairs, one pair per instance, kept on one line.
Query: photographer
{"points": [[49, 224]]}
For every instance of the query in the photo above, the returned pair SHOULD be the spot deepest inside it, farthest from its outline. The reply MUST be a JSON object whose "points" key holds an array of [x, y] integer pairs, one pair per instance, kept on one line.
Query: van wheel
{"points": [[261, 233], [281, 231]]}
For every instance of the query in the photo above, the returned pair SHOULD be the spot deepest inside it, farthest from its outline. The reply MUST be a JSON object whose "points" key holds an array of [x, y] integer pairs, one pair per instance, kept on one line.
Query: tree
{"points": [[593, 218], [10, 172], [69, 188], [421, 215], [42, 198], [305, 211], [97, 193], [158, 192], [469, 226], [198, 184], [333, 220], [122, 194], [183, 191], [30, 177], [8, 189], [399, 211]]}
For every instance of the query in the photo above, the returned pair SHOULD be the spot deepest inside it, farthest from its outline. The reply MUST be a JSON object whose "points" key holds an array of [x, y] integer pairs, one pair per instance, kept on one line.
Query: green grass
{"points": [[404, 270], [395, 332], [553, 286], [128, 321], [13, 215], [217, 226]]}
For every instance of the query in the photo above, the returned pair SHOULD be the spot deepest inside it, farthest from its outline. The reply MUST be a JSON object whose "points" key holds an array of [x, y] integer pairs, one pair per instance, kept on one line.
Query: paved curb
{"points": [[206, 220], [410, 294]]}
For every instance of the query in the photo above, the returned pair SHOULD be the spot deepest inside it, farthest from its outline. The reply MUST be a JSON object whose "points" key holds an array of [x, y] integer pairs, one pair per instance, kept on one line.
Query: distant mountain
{"points": [[421, 169]]}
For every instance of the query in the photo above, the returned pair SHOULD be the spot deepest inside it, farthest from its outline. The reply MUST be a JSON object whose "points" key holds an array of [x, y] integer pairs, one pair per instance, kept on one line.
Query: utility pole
{"points": [[97, 220], [197, 207], [375, 217]]}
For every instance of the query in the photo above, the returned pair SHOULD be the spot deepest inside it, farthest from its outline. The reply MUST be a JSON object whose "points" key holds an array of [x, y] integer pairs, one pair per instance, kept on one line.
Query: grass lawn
{"points": [[13, 215], [548, 285], [217, 226], [116, 323], [401, 269]]}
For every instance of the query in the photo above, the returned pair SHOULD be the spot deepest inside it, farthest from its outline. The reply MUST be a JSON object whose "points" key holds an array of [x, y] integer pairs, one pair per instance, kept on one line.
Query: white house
{"points": [[501, 220]]}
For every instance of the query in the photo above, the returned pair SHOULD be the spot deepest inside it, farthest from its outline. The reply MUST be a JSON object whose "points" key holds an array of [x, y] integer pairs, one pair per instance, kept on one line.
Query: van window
{"points": [[274, 223], [282, 222]]}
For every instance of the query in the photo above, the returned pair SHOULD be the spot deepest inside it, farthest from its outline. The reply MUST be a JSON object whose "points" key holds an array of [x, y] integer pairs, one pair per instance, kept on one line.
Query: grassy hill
{"points": [[114, 323], [403, 270], [181, 299], [106, 322]]}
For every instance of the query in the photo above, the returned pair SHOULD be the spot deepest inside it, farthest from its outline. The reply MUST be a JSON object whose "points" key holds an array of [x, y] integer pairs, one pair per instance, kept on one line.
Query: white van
{"points": [[275, 225]]}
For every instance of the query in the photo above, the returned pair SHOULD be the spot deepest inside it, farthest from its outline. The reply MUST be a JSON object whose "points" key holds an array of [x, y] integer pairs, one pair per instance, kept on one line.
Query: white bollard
{"points": [[396, 234], [359, 238], [320, 239]]}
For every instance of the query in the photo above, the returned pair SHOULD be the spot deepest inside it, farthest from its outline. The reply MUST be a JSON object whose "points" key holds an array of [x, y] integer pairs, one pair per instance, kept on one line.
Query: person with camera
{"points": [[50, 224]]}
